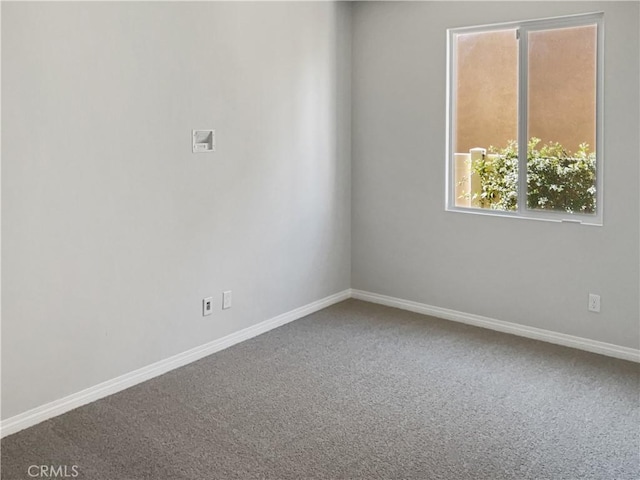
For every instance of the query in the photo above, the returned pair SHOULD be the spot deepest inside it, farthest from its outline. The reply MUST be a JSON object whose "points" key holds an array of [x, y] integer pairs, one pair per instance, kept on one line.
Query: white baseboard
{"points": [[91, 394], [58, 407], [594, 346]]}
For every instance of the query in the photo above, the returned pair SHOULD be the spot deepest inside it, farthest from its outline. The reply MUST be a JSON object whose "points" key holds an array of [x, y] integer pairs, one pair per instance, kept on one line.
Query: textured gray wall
{"points": [[528, 272], [113, 231]]}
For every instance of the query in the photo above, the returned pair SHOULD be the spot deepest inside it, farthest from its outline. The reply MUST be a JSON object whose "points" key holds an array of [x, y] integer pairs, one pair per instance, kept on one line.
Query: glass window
{"points": [[528, 86]]}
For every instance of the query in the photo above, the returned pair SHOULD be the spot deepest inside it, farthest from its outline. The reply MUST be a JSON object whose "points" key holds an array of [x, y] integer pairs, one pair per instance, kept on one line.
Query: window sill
{"points": [[553, 217]]}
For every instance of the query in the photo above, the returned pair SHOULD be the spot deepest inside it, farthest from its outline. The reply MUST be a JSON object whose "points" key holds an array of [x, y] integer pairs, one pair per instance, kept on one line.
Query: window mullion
{"points": [[523, 65]]}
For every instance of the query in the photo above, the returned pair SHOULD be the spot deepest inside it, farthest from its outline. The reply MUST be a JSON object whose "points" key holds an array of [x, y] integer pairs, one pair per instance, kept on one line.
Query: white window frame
{"points": [[523, 28]]}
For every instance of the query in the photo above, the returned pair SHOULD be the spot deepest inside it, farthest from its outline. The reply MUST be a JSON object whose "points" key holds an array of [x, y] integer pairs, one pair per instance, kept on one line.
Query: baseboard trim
{"points": [[58, 407], [580, 343]]}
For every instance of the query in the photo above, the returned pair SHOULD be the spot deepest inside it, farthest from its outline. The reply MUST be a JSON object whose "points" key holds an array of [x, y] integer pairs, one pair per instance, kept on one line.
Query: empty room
{"points": [[295, 240]]}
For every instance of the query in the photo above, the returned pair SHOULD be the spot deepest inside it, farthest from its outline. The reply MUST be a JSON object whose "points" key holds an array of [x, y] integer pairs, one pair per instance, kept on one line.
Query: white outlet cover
{"points": [[226, 299], [594, 303]]}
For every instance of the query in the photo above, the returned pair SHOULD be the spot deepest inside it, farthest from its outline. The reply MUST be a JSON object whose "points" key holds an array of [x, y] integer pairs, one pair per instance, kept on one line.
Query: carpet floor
{"points": [[358, 391]]}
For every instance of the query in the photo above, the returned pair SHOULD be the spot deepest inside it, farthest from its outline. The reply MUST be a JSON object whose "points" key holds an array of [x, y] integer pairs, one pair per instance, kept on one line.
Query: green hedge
{"points": [[556, 178]]}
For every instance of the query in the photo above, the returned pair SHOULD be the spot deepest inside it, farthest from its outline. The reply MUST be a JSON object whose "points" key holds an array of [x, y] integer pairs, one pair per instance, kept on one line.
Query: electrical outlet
{"points": [[207, 306], [594, 303], [226, 299]]}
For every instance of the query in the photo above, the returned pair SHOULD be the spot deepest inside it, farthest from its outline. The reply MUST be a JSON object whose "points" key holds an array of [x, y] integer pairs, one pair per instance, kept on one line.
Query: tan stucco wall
{"points": [[562, 75], [486, 86]]}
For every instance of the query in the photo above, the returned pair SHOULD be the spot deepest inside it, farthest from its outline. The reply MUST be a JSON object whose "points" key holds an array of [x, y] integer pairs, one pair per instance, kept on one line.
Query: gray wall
{"points": [[113, 231], [403, 242]]}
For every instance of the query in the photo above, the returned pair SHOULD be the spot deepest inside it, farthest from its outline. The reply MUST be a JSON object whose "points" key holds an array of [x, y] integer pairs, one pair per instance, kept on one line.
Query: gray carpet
{"points": [[358, 391]]}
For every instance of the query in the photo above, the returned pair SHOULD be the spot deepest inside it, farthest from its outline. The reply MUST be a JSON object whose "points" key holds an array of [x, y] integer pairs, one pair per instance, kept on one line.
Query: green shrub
{"points": [[556, 178]]}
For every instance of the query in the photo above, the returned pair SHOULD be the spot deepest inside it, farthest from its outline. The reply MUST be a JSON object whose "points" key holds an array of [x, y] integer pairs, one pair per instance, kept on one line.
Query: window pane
{"points": [[561, 163], [485, 128]]}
